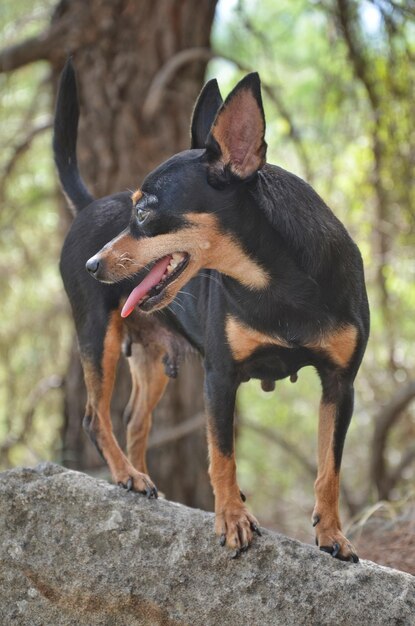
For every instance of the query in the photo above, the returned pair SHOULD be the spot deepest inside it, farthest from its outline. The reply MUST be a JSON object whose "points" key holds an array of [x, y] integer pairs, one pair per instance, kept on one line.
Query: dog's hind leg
{"points": [[336, 410], [148, 384], [99, 359]]}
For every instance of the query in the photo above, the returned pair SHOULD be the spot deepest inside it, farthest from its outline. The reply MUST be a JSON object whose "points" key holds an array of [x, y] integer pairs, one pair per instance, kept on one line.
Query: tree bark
{"points": [[119, 46]]}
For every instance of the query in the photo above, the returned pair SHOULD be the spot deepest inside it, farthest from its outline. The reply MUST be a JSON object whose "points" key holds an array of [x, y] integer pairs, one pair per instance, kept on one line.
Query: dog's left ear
{"points": [[236, 140], [204, 113]]}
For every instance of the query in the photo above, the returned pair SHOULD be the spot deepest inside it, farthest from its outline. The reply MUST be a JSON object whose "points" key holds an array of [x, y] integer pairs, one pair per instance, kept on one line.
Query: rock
{"points": [[78, 551]]}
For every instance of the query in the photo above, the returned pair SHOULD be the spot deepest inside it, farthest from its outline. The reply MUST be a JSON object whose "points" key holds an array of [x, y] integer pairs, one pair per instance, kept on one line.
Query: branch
{"points": [[274, 93], [385, 420], [282, 442], [356, 55], [309, 466], [33, 49], [19, 150], [168, 72], [396, 474], [364, 72], [293, 132], [42, 388], [168, 435], [59, 40]]}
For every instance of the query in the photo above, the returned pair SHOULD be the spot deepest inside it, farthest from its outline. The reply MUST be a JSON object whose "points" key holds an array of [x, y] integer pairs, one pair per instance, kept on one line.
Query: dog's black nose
{"points": [[92, 265]]}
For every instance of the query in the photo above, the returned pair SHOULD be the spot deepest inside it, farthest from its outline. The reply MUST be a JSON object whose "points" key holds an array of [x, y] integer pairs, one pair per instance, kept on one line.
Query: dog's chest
{"points": [[259, 353], [244, 341]]}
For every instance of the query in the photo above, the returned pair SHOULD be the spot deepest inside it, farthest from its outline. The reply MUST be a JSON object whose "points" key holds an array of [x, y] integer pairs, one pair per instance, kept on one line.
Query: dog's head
{"points": [[181, 217]]}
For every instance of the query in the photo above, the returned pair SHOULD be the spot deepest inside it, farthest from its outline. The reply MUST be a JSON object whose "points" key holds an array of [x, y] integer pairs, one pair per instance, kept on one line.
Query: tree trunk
{"points": [[119, 46]]}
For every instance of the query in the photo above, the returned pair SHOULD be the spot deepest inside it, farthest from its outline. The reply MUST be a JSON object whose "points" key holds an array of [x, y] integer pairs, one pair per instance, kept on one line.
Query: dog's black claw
{"points": [[315, 520], [236, 554], [256, 530], [327, 549], [244, 547], [336, 550], [128, 485], [222, 540], [354, 558], [243, 496], [151, 492]]}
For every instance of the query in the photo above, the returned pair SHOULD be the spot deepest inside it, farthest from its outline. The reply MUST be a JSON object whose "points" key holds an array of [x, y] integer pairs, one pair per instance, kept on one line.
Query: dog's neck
{"points": [[288, 287]]}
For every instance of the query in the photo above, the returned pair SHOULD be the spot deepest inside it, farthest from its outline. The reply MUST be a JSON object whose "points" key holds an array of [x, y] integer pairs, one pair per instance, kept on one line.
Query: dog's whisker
{"points": [[176, 301], [187, 293], [213, 278]]}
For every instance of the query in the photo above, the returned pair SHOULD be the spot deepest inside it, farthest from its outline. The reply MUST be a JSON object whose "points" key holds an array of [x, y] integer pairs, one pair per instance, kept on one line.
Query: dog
{"points": [[274, 283]]}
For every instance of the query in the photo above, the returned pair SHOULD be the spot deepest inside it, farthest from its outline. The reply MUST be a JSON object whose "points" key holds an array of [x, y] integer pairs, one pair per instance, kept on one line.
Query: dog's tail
{"points": [[64, 140]]}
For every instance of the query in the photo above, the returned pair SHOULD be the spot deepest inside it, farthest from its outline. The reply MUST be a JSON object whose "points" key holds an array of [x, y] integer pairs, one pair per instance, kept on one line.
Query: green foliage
{"points": [[34, 326]]}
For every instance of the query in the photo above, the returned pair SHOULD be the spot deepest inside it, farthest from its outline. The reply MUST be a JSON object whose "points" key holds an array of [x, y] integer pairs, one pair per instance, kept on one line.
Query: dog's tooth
{"points": [[177, 257]]}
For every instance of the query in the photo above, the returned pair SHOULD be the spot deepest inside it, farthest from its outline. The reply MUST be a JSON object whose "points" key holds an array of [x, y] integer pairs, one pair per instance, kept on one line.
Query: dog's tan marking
{"points": [[232, 518], [103, 428], [222, 472], [100, 387], [339, 345], [243, 341], [327, 483], [207, 246], [327, 486], [224, 254], [137, 195], [148, 384]]}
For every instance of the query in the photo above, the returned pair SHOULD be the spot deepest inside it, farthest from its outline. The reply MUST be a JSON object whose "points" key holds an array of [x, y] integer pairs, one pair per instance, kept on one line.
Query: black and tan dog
{"points": [[282, 287]]}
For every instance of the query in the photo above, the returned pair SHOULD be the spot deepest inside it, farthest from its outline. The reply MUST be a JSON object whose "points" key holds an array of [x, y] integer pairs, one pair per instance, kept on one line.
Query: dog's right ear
{"points": [[204, 113], [236, 145]]}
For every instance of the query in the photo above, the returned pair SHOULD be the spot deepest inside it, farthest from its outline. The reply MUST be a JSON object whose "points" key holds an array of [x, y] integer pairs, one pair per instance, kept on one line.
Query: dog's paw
{"points": [[335, 543], [236, 527], [132, 480]]}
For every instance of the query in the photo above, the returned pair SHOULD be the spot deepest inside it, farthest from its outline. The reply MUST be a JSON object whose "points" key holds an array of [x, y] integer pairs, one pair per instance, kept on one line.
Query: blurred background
{"points": [[339, 92]]}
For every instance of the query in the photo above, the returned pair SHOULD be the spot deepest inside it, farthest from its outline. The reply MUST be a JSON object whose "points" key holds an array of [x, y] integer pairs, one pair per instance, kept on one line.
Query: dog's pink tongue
{"points": [[150, 281]]}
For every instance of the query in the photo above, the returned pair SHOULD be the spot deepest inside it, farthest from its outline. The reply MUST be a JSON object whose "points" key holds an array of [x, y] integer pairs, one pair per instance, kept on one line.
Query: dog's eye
{"points": [[142, 215]]}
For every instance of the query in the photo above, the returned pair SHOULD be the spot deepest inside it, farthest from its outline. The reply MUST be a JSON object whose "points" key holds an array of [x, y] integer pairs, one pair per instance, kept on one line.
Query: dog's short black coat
{"points": [[273, 283]]}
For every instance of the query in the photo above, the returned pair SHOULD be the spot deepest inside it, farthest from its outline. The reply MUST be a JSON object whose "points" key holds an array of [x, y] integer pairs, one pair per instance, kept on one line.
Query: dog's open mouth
{"points": [[150, 291]]}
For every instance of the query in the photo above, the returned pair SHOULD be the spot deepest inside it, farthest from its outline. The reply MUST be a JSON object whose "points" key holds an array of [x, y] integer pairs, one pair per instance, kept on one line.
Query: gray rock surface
{"points": [[78, 551]]}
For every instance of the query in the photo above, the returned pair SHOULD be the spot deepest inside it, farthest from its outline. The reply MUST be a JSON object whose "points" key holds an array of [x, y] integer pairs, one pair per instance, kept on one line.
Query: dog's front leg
{"points": [[233, 523]]}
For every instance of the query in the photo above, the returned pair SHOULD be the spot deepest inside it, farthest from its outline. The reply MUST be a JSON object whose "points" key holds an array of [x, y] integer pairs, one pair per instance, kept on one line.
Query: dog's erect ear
{"points": [[236, 139], [204, 113]]}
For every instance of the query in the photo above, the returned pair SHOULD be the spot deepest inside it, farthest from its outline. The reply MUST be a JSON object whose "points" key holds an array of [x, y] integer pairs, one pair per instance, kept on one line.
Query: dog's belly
{"points": [[275, 363]]}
